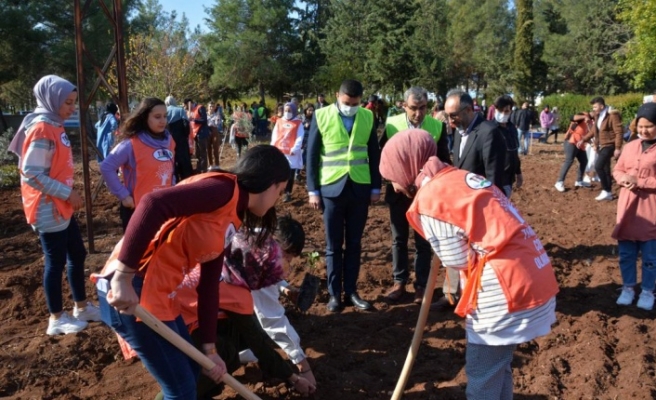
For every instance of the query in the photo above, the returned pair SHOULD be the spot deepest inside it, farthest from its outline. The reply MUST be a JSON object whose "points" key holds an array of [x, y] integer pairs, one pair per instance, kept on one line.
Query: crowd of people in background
{"points": [[448, 166]]}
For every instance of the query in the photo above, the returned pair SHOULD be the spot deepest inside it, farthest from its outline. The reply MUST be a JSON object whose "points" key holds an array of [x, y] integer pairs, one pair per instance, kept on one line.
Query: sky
{"points": [[193, 9]]}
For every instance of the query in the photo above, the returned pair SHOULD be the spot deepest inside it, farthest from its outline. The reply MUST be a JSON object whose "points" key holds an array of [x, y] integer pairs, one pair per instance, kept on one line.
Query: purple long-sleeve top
{"points": [[200, 197], [122, 156]]}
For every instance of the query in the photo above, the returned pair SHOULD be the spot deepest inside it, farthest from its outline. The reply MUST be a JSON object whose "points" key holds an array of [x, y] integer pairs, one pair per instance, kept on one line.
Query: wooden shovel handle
{"points": [[419, 331], [187, 348]]}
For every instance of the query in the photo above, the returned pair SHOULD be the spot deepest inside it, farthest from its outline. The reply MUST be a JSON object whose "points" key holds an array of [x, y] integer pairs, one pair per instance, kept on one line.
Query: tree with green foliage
{"points": [[639, 59], [524, 50], [580, 40], [251, 44]]}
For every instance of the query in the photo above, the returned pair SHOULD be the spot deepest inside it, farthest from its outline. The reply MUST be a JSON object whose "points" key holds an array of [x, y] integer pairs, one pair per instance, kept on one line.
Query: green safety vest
{"points": [[341, 154], [399, 123]]}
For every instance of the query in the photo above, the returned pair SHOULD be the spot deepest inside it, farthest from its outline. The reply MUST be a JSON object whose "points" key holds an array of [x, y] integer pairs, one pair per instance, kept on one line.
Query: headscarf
{"points": [[110, 109], [292, 107], [409, 157], [647, 111], [51, 92], [170, 101]]}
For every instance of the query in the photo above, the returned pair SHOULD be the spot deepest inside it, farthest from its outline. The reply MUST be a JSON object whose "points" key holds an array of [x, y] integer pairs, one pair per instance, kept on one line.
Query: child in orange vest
{"points": [[509, 286], [170, 232], [287, 136], [145, 157], [49, 200]]}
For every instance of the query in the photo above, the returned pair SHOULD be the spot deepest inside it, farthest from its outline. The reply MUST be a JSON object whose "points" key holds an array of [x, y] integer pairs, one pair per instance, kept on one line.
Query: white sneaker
{"points": [[582, 183], [560, 186], [586, 179], [646, 300], [626, 298], [604, 195], [596, 179], [88, 313], [65, 324]]}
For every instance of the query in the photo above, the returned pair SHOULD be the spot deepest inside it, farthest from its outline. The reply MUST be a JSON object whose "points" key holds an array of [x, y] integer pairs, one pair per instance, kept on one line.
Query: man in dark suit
{"points": [[478, 145], [342, 179]]}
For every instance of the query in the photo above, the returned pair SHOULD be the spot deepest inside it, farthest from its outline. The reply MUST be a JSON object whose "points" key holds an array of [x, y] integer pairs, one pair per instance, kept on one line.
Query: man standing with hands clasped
{"points": [[415, 106], [343, 178]]}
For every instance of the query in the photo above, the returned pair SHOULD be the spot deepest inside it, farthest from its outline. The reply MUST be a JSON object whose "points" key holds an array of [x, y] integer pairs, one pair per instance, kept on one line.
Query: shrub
{"points": [[9, 176], [570, 104]]}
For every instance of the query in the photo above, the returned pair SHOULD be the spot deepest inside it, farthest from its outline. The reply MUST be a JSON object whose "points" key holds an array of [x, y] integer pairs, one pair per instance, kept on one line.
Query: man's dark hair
{"points": [[290, 235], [502, 102], [464, 97], [598, 100], [351, 88], [187, 101]]}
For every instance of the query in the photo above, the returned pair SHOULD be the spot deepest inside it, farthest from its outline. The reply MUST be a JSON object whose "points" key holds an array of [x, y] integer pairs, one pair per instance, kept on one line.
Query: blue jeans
{"points": [[58, 248], [175, 372], [523, 144], [629, 260]]}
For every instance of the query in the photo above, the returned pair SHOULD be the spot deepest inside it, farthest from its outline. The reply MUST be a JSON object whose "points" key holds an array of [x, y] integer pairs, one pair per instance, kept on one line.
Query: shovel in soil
{"points": [[308, 292]]}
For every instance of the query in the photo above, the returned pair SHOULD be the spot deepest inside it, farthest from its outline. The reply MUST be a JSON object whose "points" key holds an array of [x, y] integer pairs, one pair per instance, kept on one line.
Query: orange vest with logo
{"points": [[492, 224], [287, 132], [61, 170], [195, 126], [178, 247], [154, 168], [578, 133]]}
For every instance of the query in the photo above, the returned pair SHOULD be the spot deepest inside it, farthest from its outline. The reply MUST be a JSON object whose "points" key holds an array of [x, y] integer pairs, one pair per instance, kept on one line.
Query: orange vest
{"points": [[195, 127], [578, 133], [154, 168], [61, 170], [287, 132], [236, 117], [492, 224], [181, 244]]}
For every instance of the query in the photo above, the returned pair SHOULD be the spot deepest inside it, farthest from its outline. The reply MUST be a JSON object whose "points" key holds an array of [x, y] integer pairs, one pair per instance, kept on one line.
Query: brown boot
{"points": [[396, 292]]}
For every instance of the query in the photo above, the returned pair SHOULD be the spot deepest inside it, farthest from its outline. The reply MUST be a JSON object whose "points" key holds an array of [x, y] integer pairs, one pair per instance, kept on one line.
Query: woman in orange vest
{"points": [[575, 148], [46, 165], [241, 129], [509, 283], [287, 136], [145, 157], [170, 232]]}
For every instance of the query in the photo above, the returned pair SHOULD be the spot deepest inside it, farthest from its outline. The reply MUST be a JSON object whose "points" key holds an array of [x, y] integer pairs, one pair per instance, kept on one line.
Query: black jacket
{"points": [[484, 153]]}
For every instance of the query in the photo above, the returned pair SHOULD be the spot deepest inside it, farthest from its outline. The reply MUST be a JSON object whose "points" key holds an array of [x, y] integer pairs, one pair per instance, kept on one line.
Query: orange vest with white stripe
{"points": [[154, 168], [178, 247], [61, 169], [287, 133], [493, 225]]}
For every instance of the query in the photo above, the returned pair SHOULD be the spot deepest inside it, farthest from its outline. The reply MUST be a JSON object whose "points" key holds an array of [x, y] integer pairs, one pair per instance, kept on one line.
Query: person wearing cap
{"points": [[416, 107], [509, 285], [635, 230]]}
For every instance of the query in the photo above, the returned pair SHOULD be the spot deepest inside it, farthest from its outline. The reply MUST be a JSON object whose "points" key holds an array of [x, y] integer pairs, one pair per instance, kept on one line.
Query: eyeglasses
{"points": [[456, 114]]}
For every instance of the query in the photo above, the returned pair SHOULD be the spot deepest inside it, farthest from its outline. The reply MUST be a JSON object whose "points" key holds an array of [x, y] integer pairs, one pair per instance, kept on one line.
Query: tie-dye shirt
{"points": [[252, 267]]}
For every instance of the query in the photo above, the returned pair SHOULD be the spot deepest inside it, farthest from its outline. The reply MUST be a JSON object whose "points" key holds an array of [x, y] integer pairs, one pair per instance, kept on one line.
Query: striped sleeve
{"points": [[448, 241], [36, 165]]}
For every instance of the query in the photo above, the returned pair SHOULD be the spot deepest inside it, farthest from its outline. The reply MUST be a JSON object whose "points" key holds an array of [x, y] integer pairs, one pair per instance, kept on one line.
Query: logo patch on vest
{"points": [[287, 125], [476, 181], [163, 155], [64, 139], [229, 234]]}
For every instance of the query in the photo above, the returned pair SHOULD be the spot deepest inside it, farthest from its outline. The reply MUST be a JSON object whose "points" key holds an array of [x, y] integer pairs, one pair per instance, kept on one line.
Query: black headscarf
{"points": [[648, 111]]}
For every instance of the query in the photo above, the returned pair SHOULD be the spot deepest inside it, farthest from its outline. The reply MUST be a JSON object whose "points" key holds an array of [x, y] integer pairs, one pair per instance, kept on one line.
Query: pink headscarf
{"points": [[409, 157]]}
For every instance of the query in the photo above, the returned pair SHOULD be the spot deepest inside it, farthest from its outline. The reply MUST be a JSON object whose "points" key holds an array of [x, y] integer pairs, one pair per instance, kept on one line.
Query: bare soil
{"points": [[597, 350]]}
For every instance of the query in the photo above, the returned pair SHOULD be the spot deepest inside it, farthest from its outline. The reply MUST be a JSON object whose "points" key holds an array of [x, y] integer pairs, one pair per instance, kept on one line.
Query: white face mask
{"points": [[288, 115], [501, 117], [348, 111]]}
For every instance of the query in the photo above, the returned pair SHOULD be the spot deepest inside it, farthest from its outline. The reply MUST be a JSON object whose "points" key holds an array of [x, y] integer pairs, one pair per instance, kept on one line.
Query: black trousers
{"points": [[602, 167], [398, 206]]}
